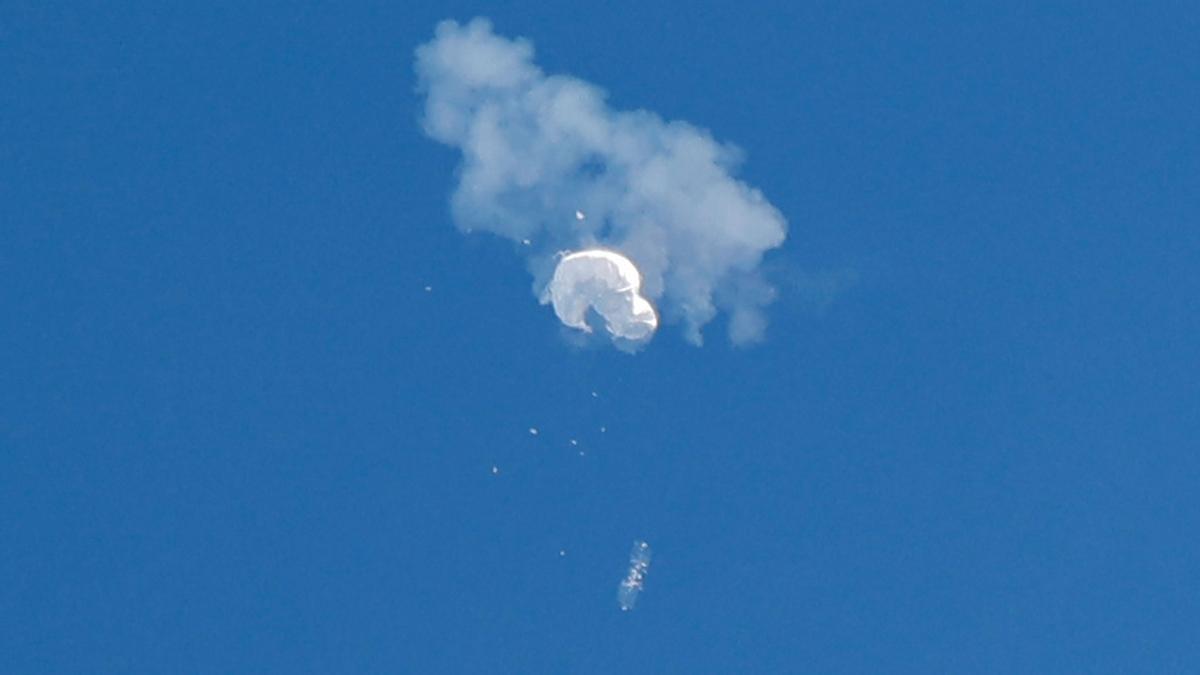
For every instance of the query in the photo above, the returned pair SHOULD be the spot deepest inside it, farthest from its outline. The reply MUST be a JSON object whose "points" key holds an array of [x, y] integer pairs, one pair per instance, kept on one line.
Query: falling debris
{"points": [[603, 429], [495, 470], [595, 395], [604, 281], [526, 242], [579, 215], [428, 289], [574, 442], [533, 431], [631, 585], [562, 552]]}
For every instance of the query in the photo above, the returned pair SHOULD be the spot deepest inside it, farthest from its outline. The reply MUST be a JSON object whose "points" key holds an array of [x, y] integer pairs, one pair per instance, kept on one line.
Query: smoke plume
{"points": [[540, 151]]}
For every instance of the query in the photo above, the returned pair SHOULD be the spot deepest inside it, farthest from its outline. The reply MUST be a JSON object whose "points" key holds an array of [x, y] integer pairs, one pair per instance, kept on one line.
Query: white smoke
{"points": [[539, 150]]}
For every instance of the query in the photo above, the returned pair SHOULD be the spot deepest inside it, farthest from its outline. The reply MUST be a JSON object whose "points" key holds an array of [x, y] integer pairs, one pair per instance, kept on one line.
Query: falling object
{"points": [[605, 283], [635, 579]]}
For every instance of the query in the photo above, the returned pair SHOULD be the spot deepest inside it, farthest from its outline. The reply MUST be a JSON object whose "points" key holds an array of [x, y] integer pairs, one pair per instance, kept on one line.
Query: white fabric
{"points": [[607, 282]]}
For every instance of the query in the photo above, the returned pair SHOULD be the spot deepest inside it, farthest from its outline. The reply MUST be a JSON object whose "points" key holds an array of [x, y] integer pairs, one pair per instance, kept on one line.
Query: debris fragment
{"points": [[635, 579]]}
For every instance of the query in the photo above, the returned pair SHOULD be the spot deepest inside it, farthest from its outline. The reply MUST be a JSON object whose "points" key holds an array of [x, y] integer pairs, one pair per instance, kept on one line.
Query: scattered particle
{"points": [[428, 289], [562, 552], [603, 429], [495, 470], [533, 431], [579, 215], [595, 395], [574, 442], [526, 242]]}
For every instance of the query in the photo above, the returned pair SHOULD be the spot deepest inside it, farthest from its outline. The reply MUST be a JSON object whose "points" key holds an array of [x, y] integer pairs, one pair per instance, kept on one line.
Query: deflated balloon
{"points": [[604, 281]]}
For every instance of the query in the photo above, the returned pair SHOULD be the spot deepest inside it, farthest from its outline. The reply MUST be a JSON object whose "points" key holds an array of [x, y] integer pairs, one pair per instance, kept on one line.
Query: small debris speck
{"points": [[603, 429], [533, 431], [428, 289]]}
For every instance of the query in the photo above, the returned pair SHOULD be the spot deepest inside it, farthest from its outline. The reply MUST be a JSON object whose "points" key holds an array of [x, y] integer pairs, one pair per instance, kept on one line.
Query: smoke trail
{"points": [[537, 148]]}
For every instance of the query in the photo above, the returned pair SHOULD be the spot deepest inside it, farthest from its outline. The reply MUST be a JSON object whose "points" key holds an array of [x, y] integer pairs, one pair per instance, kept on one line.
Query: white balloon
{"points": [[606, 282]]}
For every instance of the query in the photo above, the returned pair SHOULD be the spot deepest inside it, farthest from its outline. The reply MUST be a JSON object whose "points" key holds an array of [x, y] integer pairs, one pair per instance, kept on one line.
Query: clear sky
{"points": [[238, 435]]}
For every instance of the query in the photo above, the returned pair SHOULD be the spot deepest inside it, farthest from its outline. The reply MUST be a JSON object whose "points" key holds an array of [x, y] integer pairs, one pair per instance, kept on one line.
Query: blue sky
{"points": [[237, 434]]}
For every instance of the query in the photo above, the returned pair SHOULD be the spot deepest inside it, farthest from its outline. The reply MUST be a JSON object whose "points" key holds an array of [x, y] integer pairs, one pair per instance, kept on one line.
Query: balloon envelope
{"points": [[610, 284]]}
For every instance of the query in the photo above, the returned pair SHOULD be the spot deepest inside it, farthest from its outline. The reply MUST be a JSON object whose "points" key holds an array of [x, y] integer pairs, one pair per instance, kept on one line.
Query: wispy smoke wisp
{"points": [[537, 148]]}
